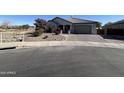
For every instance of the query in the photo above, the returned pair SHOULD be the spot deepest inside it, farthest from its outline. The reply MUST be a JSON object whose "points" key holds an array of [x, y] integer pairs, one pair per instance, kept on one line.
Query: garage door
{"points": [[82, 29]]}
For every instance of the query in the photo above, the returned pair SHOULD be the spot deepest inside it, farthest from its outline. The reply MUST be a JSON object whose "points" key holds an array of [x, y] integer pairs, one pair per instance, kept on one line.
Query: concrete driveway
{"points": [[85, 37], [62, 61], [94, 38]]}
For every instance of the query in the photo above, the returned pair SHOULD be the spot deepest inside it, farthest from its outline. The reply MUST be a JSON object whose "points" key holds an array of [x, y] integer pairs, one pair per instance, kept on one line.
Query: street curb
{"points": [[6, 48], [18, 45]]}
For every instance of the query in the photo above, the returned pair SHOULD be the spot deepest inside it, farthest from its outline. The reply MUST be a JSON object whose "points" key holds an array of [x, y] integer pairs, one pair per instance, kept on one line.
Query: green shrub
{"points": [[38, 32]]}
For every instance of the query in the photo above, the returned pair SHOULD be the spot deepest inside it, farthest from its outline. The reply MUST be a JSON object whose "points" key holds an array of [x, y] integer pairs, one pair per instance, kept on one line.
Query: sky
{"points": [[30, 19]]}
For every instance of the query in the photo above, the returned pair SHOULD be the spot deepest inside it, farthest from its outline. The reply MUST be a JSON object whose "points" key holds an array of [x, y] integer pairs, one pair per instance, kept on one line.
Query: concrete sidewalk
{"points": [[61, 43]]}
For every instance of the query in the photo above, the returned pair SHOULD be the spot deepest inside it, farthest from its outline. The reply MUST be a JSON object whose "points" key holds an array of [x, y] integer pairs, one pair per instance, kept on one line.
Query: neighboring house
{"points": [[115, 28], [73, 25]]}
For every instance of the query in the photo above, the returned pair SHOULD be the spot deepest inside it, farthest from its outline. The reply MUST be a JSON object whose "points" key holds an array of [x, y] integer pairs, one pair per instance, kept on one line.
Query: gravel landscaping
{"points": [[45, 37], [29, 37], [14, 37]]}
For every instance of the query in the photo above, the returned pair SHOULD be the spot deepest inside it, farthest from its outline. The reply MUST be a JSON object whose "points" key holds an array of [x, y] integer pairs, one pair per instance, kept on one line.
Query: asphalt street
{"points": [[62, 62]]}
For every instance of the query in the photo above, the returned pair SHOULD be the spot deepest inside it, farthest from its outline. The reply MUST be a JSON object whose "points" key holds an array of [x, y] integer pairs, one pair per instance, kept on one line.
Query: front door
{"points": [[67, 28]]}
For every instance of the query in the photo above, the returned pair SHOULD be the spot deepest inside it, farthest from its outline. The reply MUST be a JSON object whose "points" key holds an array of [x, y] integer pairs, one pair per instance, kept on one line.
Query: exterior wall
{"points": [[114, 29], [51, 25], [63, 22], [116, 26], [94, 31], [72, 28]]}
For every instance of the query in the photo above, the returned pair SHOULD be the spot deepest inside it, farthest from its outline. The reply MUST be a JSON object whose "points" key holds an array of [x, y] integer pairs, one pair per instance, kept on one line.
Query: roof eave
{"points": [[62, 19]]}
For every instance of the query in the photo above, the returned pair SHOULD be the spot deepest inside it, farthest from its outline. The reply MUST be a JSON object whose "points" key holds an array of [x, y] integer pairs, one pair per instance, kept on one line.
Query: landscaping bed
{"points": [[44, 37]]}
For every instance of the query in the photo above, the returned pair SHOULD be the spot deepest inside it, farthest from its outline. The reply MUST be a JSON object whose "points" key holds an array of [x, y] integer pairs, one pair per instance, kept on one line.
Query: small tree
{"points": [[40, 25], [109, 23], [5, 25], [25, 26], [98, 25]]}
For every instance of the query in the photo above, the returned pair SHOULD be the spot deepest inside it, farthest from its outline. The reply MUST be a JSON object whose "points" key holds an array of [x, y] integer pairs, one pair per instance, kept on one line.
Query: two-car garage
{"points": [[82, 29]]}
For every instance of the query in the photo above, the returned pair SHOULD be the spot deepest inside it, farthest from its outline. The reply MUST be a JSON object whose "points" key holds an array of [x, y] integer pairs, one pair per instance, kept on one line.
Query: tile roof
{"points": [[76, 20], [118, 22]]}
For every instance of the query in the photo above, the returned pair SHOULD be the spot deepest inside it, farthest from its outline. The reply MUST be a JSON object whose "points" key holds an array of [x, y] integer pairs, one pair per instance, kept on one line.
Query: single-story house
{"points": [[73, 25], [115, 28]]}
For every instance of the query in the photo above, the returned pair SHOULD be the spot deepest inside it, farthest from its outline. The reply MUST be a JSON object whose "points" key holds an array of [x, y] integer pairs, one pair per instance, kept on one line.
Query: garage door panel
{"points": [[82, 29]]}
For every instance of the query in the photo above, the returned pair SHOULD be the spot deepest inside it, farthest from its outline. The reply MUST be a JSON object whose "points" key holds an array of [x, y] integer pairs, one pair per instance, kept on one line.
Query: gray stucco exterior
{"points": [[77, 27], [115, 28]]}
